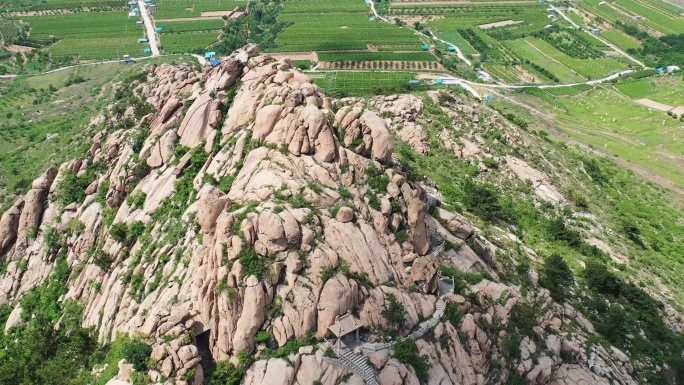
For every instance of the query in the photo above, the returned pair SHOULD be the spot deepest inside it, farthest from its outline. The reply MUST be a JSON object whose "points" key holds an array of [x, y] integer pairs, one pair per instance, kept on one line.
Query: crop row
{"points": [[590, 68], [186, 26], [8, 30], [171, 9], [325, 6], [373, 56], [188, 42], [360, 83], [382, 65], [334, 32]]}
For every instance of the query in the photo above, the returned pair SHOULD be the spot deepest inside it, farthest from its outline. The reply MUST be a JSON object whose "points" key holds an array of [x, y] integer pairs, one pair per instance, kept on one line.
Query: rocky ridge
{"points": [[267, 206]]}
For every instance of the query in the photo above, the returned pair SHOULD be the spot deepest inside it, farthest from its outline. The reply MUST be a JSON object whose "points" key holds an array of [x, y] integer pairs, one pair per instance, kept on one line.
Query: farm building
{"points": [[159, 29], [210, 55], [133, 3], [214, 62], [135, 10], [147, 50], [153, 8], [425, 47], [142, 40], [595, 30], [128, 60], [414, 83], [552, 17], [671, 69], [139, 22], [452, 48], [637, 17], [132, 14]]}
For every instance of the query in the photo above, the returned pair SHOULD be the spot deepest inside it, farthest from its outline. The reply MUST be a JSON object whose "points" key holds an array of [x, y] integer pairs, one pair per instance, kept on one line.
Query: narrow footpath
{"points": [[149, 27]]}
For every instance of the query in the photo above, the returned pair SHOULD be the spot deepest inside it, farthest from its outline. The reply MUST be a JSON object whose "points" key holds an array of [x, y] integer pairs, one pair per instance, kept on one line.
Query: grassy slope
{"points": [[24, 150]]}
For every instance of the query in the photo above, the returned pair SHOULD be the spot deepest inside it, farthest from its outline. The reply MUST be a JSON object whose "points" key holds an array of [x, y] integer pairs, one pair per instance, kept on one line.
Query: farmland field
{"points": [[91, 36], [620, 39], [315, 29], [188, 42], [668, 89], [186, 26], [172, 9], [526, 50], [592, 69], [459, 41], [362, 83], [375, 56], [637, 89]]}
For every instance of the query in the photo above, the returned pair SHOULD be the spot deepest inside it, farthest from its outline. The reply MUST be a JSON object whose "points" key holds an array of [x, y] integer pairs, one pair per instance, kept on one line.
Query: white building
{"points": [[671, 69]]}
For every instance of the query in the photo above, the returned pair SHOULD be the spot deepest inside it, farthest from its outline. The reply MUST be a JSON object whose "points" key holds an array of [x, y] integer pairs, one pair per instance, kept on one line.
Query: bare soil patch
{"points": [[19, 48], [313, 56], [499, 24], [653, 104]]}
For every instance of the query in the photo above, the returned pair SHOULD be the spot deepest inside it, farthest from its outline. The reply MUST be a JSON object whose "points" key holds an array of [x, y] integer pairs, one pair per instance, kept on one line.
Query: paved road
{"points": [[149, 26]]}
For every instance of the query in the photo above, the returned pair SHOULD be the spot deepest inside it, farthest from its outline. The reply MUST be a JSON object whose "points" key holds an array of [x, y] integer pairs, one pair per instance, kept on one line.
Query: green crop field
{"points": [[659, 15], [173, 9], [667, 89], [376, 56], [187, 42], [362, 83], [92, 35], [636, 89], [620, 39], [460, 16], [332, 30], [188, 26], [67, 5], [590, 68], [456, 39], [525, 50]]}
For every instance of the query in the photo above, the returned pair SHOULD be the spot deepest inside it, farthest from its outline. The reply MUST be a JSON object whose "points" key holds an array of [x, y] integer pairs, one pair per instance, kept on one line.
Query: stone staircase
{"points": [[357, 363], [207, 367], [428, 324]]}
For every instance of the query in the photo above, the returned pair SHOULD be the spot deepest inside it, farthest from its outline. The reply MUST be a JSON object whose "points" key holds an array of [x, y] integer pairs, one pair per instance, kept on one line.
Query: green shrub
{"points": [[252, 263], [136, 200], [393, 311], [119, 232], [406, 352], [137, 353], [557, 277]]}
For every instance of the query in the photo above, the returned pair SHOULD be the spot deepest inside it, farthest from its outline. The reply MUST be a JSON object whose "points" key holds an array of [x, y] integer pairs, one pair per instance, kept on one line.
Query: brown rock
{"points": [[345, 214]]}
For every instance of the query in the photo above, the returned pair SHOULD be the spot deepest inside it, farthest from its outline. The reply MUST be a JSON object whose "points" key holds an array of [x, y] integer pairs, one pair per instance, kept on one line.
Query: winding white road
{"points": [[149, 26]]}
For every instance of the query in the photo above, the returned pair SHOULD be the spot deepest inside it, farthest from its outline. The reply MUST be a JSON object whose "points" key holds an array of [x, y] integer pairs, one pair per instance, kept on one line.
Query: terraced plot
{"points": [[458, 40], [524, 49], [620, 39], [592, 69], [188, 42]]}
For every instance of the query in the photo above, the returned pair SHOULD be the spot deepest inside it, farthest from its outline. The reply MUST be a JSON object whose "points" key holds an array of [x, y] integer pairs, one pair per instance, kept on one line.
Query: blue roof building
{"points": [[132, 3], [209, 55], [159, 29], [147, 50], [142, 40], [425, 47], [414, 83], [372, 19], [451, 48], [136, 10], [214, 62]]}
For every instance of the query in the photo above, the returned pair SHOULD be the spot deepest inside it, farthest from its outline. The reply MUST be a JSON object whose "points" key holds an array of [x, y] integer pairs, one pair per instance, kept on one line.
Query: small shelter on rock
{"points": [[344, 325]]}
